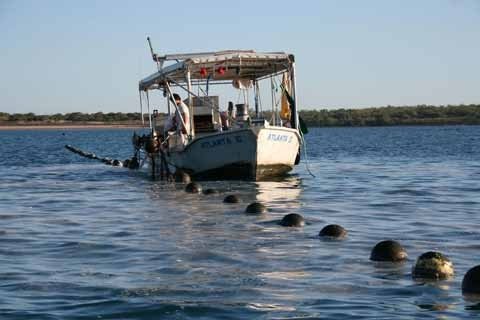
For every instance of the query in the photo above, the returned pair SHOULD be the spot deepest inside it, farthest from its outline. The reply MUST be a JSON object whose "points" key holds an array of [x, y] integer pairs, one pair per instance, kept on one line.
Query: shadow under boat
{"points": [[245, 172]]}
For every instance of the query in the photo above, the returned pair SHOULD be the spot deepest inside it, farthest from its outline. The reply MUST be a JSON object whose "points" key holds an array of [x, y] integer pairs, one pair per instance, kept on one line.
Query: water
{"points": [[83, 240]]}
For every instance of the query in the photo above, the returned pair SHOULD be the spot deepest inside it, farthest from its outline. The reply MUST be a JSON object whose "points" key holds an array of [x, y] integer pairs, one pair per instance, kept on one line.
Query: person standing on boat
{"points": [[182, 115]]}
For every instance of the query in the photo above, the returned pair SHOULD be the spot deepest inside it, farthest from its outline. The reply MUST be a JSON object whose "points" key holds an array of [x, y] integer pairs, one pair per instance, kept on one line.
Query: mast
{"points": [[154, 57]]}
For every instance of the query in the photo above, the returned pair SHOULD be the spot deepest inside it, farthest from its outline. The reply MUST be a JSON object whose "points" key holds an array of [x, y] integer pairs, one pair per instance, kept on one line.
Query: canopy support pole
{"points": [[190, 102], [294, 116], [255, 94], [168, 106], [274, 113], [148, 109], [141, 107]]}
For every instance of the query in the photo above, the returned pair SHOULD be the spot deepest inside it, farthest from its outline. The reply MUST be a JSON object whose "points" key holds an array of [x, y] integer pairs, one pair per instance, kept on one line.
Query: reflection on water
{"points": [[285, 275], [269, 307], [280, 193], [435, 307], [473, 307], [278, 196]]}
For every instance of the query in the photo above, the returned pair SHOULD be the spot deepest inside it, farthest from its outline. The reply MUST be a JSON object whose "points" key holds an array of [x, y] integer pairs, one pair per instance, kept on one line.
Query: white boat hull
{"points": [[250, 153]]}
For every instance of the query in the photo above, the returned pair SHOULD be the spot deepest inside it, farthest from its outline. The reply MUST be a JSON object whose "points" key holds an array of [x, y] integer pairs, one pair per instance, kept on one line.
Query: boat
{"points": [[225, 140]]}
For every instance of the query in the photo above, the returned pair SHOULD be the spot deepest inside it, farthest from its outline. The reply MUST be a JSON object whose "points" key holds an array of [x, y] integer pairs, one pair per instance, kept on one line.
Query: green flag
{"points": [[303, 126]]}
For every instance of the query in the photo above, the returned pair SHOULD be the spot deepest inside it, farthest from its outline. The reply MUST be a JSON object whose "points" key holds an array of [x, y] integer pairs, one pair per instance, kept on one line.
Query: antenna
{"points": [[154, 55]]}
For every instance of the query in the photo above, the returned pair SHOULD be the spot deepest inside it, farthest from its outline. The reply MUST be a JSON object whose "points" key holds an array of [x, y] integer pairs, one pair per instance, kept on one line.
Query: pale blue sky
{"points": [[87, 56]]}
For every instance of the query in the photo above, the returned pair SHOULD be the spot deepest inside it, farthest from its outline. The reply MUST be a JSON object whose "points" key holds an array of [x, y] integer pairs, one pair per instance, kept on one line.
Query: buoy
{"points": [[333, 231], [126, 163], [231, 198], [471, 281], [193, 187], [388, 250], [116, 163], [433, 265], [210, 191], [292, 220], [181, 176], [256, 208], [89, 155], [69, 147], [134, 164]]}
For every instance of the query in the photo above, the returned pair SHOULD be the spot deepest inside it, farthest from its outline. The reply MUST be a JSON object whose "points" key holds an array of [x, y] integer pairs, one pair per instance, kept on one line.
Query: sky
{"points": [[88, 56]]}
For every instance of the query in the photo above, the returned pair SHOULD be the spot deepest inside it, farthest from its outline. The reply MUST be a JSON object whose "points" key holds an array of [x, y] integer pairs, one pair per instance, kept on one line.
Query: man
{"points": [[182, 113]]}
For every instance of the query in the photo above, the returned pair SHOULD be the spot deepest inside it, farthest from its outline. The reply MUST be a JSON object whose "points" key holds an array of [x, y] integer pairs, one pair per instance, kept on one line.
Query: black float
{"points": [[210, 191], [256, 208], [333, 231], [388, 250], [292, 220], [471, 281], [231, 198], [181, 176], [193, 187]]}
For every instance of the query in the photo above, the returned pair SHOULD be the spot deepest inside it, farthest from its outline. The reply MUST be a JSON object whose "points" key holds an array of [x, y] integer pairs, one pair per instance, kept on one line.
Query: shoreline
{"points": [[131, 126], [70, 126]]}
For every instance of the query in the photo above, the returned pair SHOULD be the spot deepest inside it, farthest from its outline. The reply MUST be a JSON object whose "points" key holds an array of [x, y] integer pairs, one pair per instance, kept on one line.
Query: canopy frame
{"points": [[220, 67]]}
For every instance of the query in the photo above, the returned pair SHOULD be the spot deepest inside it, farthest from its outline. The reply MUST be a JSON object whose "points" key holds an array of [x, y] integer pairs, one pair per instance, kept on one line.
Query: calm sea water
{"points": [[83, 240]]}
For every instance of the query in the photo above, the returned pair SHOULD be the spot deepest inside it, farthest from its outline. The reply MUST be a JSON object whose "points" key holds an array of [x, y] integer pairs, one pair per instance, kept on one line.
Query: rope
{"points": [[306, 155]]}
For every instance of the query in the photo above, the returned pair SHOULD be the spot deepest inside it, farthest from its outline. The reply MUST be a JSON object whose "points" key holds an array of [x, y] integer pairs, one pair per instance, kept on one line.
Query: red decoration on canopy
{"points": [[221, 70], [203, 72]]}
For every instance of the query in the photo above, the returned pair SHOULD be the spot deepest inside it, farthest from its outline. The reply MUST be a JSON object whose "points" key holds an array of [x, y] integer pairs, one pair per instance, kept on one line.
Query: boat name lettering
{"points": [[279, 137], [220, 142]]}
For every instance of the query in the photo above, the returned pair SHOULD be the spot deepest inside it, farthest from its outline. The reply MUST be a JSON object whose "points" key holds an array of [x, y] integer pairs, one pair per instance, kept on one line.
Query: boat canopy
{"points": [[217, 67]]}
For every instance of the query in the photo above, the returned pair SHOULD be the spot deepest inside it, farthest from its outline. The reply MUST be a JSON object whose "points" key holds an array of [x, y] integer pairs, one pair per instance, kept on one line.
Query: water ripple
{"points": [[81, 240]]}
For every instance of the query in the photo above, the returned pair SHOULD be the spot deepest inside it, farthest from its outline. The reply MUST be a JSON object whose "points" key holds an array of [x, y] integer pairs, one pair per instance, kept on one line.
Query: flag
{"points": [[285, 112]]}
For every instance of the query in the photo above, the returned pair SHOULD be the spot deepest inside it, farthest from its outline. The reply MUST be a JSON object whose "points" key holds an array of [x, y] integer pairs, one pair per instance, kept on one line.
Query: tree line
{"points": [[74, 117], [388, 116], [383, 116]]}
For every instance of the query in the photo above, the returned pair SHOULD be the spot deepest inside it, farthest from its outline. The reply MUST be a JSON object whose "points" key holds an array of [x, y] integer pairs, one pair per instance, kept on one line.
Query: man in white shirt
{"points": [[182, 115]]}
